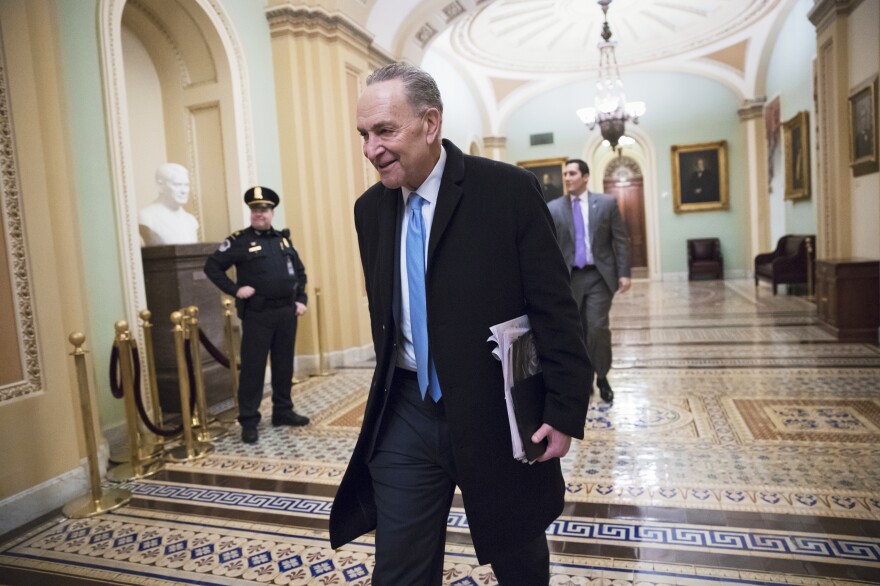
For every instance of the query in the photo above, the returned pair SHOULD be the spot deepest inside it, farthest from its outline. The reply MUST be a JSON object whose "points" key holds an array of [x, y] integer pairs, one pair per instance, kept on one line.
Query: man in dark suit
{"points": [[595, 245], [450, 245], [703, 184]]}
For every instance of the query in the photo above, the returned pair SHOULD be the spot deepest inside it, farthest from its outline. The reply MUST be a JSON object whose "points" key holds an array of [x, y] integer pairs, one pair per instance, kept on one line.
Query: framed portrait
{"points": [[549, 174], [796, 137], [699, 177], [863, 128]]}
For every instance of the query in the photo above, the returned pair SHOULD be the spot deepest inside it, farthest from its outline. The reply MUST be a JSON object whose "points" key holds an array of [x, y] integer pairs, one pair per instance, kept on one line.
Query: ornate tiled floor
{"points": [[743, 448]]}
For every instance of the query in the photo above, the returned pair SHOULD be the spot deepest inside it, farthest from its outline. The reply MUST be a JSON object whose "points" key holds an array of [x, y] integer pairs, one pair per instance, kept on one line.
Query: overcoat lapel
{"points": [[593, 214], [568, 216], [447, 198], [387, 213]]}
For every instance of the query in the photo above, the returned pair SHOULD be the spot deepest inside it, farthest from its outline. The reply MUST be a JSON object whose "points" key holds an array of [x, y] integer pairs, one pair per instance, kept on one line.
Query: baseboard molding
{"points": [[43, 498], [54, 493], [674, 277], [731, 274], [310, 364]]}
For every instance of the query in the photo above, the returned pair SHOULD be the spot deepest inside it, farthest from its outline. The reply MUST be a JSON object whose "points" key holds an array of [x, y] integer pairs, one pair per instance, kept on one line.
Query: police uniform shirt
{"points": [[264, 260]]}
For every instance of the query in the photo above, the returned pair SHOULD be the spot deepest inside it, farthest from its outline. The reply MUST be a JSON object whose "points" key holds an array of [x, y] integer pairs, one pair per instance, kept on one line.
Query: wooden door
{"points": [[630, 196]]}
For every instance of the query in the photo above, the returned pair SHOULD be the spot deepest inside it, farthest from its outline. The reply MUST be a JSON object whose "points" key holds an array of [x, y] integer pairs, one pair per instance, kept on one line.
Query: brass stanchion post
{"points": [[205, 430], [136, 467], [323, 370], [150, 359], [97, 501], [232, 414], [190, 450], [811, 291]]}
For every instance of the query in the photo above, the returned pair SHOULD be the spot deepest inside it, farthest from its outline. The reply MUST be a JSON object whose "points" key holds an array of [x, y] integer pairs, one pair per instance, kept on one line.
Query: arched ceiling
{"points": [[533, 39], [561, 35]]}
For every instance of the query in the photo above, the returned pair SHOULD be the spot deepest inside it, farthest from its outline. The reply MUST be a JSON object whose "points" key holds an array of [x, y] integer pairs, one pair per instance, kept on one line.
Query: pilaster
{"points": [[321, 61], [495, 147], [752, 116], [833, 197]]}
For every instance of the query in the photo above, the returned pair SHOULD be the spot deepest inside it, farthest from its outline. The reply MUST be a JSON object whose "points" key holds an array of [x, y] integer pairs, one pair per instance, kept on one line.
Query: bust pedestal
{"points": [[174, 279]]}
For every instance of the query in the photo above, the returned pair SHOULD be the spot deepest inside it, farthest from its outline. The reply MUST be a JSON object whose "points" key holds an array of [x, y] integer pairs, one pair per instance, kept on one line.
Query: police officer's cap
{"points": [[261, 196]]}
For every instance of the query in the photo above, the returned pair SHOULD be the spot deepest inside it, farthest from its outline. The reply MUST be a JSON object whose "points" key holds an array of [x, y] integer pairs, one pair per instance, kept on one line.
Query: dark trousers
{"points": [[272, 331], [414, 479], [594, 304]]}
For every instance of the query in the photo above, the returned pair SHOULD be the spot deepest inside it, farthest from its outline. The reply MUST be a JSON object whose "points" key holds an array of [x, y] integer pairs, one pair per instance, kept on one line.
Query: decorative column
{"points": [[752, 115], [494, 147], [321, 61], [833, 198]]}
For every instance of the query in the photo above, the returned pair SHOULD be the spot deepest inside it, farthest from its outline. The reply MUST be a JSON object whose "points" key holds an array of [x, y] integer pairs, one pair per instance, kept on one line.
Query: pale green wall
{"points": [[252, 30], [90, 162], [789, 76], [89, 158], [674, 116]]}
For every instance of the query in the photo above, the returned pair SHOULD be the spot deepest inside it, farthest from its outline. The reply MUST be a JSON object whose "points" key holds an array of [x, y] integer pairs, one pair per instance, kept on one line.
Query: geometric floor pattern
{"points": [[743, 447]]}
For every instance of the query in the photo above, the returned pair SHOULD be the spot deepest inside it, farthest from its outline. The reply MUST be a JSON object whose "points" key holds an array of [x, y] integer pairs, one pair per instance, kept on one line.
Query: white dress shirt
{"points": [[429, 190]]}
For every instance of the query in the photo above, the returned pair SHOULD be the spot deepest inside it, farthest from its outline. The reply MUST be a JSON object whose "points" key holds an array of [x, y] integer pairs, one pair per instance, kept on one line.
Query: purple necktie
{"points": [[580, 243]]}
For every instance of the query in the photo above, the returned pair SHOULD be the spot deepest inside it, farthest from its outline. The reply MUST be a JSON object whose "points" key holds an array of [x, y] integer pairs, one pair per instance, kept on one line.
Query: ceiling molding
{"points": [[733, 56]]}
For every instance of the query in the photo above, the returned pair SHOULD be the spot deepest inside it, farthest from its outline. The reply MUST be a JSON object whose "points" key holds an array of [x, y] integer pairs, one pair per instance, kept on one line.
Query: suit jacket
{"points": [[492, 256], [608, 237]]}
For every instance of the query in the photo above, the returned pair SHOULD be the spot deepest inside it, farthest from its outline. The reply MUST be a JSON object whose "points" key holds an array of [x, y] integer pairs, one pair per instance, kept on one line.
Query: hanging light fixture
{"points": [[611, 111]]}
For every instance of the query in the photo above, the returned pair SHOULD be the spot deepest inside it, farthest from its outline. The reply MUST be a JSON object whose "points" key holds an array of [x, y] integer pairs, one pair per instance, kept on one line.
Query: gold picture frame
{"points": [[699, 177], [863, 128], [796, 138], [549, 173]]}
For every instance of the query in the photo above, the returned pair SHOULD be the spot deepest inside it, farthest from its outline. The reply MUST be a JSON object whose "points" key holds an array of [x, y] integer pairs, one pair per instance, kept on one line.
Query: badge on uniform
{"points": [[290, 267], [255, 248], [224, 246]]}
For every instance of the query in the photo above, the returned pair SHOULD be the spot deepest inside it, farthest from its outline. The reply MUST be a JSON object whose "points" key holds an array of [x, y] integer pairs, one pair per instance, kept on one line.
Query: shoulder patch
{"points": [[224, 246]]}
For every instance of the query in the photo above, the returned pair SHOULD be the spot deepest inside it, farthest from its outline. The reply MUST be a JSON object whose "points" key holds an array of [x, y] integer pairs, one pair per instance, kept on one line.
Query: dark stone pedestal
{"points": [[174, 279]]}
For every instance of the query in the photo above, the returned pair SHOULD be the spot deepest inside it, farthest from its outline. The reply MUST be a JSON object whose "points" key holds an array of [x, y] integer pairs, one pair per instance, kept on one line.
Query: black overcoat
{"points": [[492, 256]]}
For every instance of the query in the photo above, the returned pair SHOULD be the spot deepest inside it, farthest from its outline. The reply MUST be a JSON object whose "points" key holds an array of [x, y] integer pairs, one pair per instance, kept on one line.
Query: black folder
{"points": [[528, 406]]}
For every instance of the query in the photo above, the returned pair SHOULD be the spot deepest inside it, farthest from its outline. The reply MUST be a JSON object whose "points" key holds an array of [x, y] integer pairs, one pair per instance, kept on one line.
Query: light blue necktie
{"points": [[418, 313]]}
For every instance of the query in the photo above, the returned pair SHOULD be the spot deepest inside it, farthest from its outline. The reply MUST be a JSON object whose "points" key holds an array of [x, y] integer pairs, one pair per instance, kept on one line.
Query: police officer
{"points": [[269, 296]]}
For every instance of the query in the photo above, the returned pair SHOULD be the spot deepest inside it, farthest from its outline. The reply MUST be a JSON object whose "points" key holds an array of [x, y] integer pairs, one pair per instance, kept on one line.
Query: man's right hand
{"points": [[245, 292]]}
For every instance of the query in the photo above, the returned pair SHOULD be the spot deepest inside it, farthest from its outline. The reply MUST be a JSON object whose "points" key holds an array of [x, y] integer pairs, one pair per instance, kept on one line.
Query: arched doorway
{"points": [[183, 54], [623, 179]]}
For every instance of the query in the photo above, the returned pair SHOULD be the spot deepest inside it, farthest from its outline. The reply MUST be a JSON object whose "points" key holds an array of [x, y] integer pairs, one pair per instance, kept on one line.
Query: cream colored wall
{"points": [[847, 54], [145, 116], [864, 64], [39, 433], [178, 82], [320, 63]]}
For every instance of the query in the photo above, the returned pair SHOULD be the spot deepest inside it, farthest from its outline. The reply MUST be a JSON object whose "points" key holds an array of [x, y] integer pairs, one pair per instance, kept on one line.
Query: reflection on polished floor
{"points": [[743, 447]]}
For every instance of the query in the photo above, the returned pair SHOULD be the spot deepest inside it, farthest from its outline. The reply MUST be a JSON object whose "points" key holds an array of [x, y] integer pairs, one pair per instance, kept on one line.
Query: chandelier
{"points": [[611, 111]]}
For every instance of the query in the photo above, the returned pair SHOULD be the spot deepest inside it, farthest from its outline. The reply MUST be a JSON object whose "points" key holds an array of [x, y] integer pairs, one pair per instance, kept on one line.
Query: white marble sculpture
{"points": [[165, 221]]}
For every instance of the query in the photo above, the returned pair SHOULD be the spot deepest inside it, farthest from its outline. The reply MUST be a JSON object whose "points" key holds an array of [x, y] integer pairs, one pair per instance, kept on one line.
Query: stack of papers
{"points": [[523, 385]]}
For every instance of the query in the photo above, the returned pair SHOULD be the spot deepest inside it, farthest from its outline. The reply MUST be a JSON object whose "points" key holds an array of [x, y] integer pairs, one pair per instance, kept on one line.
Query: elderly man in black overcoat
{"points": [[490, 255]]}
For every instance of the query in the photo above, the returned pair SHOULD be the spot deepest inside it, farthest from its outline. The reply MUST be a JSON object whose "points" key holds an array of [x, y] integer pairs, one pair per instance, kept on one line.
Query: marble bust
{"points": [[165, 221]]}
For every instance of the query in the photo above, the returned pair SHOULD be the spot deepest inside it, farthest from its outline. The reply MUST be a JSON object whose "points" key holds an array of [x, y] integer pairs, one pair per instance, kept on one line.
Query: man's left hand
{"points": [[623, 284], [558, 443], [300, 308]]}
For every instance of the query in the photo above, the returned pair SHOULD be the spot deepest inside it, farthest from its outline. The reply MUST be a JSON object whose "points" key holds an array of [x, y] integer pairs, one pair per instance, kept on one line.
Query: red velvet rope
{"points": [[116, 390]]}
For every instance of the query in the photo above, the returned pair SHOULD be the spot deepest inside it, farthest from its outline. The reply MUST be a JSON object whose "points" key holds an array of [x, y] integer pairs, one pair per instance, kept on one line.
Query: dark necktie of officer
{"points": [[418, 313]]}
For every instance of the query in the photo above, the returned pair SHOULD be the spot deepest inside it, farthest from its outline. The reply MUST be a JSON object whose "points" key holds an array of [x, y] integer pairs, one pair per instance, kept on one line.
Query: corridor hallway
{"points": [[743, 447]]}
